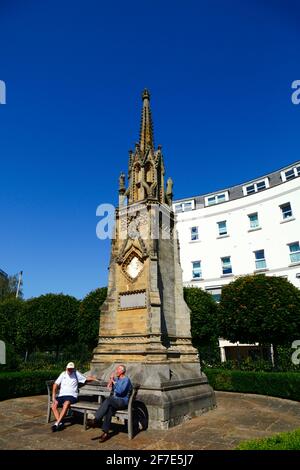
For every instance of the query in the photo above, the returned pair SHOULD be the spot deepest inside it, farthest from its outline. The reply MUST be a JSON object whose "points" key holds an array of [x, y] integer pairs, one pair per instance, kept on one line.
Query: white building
{"points": [[249, 228]]}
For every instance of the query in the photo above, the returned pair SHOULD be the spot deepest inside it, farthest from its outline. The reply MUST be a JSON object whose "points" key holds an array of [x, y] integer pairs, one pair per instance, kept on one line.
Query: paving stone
{"points": [[238, 417]]}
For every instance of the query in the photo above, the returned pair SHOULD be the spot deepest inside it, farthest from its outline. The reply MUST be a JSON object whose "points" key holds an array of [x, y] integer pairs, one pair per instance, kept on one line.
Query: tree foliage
{"points": [[10, 309], [203, 313], [259, 308], [89, 316], [48, 322], [203, 324]]}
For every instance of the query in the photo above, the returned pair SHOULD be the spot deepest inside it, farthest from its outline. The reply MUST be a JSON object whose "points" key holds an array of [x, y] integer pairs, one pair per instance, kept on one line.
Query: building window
{"points": [[260, 261], [255, 187], [290, 174], [286, 211], [294, 252], [216, 199], [197, 273], [226, 265], [194, 233], [222, 228], [215, 293], [253, 219], [184, 206]]}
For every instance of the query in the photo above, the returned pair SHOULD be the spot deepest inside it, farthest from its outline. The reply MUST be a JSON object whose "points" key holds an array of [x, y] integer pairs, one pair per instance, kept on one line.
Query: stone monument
{"points": [[145, 322]]}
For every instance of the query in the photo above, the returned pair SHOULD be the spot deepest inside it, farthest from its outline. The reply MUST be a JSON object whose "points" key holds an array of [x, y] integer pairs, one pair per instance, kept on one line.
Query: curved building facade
{"points": [[253, 227]]}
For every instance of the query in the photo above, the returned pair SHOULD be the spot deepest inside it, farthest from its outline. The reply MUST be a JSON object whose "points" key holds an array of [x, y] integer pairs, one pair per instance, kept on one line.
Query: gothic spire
{"points": [[146, 132]]}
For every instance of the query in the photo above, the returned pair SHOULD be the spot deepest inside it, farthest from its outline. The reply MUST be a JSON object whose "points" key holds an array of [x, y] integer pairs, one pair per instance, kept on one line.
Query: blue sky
{"points": [[219, 73]]}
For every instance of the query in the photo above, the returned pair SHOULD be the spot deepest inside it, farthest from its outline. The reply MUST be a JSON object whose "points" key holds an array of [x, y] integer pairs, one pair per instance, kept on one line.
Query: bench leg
{"points": [[48, 413], [84, 419], [130, 426]]}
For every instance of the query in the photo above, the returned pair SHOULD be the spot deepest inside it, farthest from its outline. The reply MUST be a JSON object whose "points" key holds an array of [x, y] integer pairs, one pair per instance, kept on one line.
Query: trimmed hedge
{"points": [[275, 384], [23, 384], [282, 441]]}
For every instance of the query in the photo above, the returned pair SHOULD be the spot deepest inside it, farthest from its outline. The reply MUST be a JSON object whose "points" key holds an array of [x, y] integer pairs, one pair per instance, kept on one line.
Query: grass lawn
{"points": [[282, 441]]}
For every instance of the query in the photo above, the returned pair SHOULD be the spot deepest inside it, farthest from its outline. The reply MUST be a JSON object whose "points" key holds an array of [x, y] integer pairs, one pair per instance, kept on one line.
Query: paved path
{"points": [[237, 417]]}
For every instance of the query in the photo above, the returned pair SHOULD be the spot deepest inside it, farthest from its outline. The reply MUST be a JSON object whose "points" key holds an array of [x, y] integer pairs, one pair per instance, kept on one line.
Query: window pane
{"points": [[260, 264], [196, 269], [187, 206], [211, 200], [194, 233], [216, 297], [260, 254], [253, 220], [250, 189], [221, 197], [298, 170], [226, 265], [290, 174], [294, 247], [294, 252], [178, 208], [261, 185], [260, 261], [295, 257], [286, 210], [222, 228]]}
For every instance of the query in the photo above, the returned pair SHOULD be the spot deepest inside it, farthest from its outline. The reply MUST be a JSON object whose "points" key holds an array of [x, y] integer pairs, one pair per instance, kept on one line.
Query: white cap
{"points": [[70, 365]]}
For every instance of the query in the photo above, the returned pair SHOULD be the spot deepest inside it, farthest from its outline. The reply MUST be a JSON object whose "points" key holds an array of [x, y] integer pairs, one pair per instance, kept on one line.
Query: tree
{"points": [[8, 287], [89, 316], [203, 322], [10, 309], [259, 308], [48, 322]]}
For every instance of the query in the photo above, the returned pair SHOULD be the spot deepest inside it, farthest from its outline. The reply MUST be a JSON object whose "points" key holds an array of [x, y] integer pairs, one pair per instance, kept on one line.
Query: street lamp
{"points": [[19, 283]]}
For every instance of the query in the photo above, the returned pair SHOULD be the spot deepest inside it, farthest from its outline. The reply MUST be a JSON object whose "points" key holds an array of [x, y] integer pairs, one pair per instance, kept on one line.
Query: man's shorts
{"points": [[64, 398]]}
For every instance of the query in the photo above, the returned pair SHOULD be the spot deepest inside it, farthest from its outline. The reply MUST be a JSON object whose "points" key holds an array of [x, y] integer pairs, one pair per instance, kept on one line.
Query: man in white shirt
{"points": [[68, 383]]}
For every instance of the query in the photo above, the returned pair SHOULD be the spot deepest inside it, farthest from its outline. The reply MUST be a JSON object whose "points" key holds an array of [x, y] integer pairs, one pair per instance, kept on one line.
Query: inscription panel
{"points": [[132, 300]]}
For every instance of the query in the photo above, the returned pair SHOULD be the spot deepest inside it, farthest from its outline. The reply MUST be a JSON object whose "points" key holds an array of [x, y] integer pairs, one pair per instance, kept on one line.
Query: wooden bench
{"points": [[90, 397]]}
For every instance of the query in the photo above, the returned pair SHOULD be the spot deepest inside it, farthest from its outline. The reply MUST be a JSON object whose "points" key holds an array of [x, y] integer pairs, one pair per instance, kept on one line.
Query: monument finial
{"points": [[146, 132]]}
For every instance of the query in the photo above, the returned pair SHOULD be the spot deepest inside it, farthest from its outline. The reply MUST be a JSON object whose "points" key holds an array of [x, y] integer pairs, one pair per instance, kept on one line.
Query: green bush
{"points": [[13, 360], [276, 384], [22, 384], [259, 308], [282, 441]]}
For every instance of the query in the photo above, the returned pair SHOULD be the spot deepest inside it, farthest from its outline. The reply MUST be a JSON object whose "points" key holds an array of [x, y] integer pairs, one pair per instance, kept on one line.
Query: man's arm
{"points": [[91, 378]]}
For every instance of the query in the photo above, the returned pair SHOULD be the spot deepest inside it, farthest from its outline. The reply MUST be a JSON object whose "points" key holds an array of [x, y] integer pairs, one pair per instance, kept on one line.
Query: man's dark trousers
{"points": [[107, 409]]}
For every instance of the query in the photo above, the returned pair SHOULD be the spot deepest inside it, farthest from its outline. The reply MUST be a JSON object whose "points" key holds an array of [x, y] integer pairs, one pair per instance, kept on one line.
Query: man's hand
{"points": [[111, 381], [92, 378]]}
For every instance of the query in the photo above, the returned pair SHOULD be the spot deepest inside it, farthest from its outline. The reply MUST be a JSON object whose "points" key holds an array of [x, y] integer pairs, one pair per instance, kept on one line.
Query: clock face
{"points": [[134, 267]]}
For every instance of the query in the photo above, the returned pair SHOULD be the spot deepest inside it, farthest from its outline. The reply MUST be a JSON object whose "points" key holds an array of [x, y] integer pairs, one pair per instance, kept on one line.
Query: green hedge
{"points": [[282, 441], [275, 384], [23, 384]]}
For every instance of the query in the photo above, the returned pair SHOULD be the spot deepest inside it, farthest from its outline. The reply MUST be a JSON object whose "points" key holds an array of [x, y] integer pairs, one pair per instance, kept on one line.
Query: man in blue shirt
{"points": [[121, 388]]}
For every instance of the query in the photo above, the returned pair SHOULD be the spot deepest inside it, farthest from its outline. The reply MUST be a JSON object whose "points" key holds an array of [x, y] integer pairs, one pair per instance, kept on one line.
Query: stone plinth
{"points": [[172, 393]]}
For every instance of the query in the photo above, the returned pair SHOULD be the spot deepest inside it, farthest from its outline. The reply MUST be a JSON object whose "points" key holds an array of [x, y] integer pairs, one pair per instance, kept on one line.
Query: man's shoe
{"points": [[60, 426], [54, 427], [104, 437]]}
